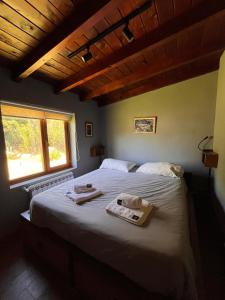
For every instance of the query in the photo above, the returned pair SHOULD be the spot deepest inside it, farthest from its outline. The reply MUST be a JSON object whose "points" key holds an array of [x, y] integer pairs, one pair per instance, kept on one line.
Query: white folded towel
{"points": [[87, 188], [135, 216], [81, 198], [130, 201]]}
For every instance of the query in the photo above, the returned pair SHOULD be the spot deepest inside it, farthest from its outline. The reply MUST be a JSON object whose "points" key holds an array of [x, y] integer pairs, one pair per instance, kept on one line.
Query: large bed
{"points": [[157, 256]]}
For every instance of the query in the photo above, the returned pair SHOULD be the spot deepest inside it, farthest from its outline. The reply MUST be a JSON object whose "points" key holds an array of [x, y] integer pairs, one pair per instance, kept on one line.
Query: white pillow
{"points": [[116, 164], [161, 168]]}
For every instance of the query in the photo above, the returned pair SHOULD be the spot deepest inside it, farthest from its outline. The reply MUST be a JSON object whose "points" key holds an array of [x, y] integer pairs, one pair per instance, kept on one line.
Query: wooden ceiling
{"points": [[174, 40]]}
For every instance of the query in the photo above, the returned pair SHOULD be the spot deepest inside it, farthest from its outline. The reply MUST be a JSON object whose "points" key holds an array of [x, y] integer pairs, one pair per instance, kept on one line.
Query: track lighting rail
{"points": [[124, 21]]}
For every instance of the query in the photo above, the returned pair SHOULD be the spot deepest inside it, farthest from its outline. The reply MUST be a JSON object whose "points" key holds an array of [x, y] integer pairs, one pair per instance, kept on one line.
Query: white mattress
{"points": [[157, 256]]}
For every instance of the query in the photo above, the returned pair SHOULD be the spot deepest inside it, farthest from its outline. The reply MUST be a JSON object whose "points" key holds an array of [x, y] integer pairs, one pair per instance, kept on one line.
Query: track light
{"points": [[86, 57], [128, 34], [126, 31]]}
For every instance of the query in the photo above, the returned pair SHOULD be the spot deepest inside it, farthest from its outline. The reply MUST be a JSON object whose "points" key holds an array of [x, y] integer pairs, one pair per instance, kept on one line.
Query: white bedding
{"points": [[157, 256]]}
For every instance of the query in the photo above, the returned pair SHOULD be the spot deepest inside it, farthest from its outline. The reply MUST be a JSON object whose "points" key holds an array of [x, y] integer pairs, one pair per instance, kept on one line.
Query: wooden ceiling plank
{"points": [[146, 72], [165, 9], [57, 65], [7, 54], [153, 39], [48, 10], [14, 18], [66, 62], [111, 39], [55, 71], [12, 41], [97, 55], [30, 13], [44, 70], [190, 39], [16, 32], [149, 17], [11, 50], [181, 6], [136, 27], [64, 6], [213, 32], [111, 19], [197, 68], [76, 60], [84, 17], [100, 50]]}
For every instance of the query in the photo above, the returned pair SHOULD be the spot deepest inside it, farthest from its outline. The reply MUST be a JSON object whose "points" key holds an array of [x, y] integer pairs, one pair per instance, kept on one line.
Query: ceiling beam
{"points": [[86, 14], [167, 31], [146, 72], [197, 68]]}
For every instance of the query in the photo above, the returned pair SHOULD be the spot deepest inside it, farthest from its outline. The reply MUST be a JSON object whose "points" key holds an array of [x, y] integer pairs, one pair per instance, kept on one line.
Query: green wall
{"points": [[219, 133], [185, 114]]}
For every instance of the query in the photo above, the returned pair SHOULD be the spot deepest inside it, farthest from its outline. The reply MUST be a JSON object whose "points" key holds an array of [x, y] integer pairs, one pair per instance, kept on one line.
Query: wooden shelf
{"points": [[210, 158]]}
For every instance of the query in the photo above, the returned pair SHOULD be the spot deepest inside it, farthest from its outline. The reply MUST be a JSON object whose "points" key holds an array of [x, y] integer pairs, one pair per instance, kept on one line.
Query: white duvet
{"points": [[157, 256]]}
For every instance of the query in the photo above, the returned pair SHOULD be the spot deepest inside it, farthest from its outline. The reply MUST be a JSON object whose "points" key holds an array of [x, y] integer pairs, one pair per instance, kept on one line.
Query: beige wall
{"points": [[185, 114], [219, 133]]}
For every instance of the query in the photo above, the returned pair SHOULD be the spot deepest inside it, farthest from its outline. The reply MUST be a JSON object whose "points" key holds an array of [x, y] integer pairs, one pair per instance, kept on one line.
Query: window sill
{"points": [[38, 179]]}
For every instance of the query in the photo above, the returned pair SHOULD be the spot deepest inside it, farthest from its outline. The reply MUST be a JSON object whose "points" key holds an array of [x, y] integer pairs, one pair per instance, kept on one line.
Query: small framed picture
{"points": [[88, 129], [145, 125]]}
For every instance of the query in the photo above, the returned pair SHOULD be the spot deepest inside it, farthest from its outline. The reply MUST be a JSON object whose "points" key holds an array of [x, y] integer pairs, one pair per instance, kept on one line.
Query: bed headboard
{"points": [[44, 185]]}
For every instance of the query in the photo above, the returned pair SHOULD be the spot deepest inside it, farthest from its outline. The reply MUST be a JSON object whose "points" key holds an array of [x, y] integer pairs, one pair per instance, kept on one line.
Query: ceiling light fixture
{"points": [[128, 34], [87, 56], [126, 31]]}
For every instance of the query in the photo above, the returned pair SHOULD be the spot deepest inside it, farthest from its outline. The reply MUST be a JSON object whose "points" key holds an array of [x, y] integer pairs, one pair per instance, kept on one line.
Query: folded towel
{"points": [[81, 198], [129, 201], [135, 216], [87, 188]]}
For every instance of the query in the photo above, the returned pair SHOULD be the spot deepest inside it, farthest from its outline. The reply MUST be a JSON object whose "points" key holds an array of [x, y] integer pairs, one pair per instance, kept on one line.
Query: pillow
{"points": [[161, 168], [116, 164]]}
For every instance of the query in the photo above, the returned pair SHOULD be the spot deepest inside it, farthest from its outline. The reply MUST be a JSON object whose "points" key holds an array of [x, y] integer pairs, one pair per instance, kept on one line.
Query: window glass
{"points": [[56, 142], [23, 146]]}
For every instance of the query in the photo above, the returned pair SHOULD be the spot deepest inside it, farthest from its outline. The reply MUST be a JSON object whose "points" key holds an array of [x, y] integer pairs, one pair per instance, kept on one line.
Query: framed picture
{"points": [[88, 129], [145, 125]]}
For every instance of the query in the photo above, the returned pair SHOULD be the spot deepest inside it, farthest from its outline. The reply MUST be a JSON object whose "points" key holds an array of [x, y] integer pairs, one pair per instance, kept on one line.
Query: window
{"points": [[37, 142]]}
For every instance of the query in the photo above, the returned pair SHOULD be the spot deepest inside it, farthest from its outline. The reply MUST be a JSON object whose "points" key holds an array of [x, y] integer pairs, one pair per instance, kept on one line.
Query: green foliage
{"points": [[56, 134], [54, 154], [22, 135]]}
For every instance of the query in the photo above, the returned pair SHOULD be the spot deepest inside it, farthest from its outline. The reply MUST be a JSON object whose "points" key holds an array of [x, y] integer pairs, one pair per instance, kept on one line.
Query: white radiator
{"points": [[44, 185]]}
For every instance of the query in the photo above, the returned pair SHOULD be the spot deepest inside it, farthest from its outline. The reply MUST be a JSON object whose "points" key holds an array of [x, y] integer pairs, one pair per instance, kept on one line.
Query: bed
{"points": [[157, 257]]}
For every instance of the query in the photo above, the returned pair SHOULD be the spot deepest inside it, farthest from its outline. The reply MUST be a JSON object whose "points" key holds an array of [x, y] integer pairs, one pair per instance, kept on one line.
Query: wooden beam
{"points": [[86, 14], [167, 31], [146, 72], [197, 68]]}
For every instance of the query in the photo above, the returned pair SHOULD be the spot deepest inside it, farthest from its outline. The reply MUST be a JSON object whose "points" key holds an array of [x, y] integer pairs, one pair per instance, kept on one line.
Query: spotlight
{"points": [[128, 34], [86, 57]]}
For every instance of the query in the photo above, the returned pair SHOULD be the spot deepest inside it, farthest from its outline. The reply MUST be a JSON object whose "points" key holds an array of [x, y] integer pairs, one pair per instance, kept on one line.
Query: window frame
{"points": [[44, 143]]}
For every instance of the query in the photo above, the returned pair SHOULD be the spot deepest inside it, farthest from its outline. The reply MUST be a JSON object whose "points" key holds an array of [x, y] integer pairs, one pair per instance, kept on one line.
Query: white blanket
{"points": [[157, 256]]}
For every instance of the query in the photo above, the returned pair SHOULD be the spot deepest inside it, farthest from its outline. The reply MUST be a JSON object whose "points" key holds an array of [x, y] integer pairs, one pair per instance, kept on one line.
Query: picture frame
{"points": [[145, 125], [88, 129]]}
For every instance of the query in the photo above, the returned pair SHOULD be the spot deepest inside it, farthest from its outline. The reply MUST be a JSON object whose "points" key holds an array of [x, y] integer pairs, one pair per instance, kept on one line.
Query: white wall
{"points": [[219, 134], [185, 113], [34, 92]]}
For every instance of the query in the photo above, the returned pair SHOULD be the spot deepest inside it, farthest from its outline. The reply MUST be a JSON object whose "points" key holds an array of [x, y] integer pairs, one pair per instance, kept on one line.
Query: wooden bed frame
{"points": [[92, 278]]}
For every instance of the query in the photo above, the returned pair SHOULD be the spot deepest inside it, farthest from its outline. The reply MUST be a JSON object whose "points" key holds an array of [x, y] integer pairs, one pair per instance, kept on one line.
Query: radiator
{"points": [[44, 185]]}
